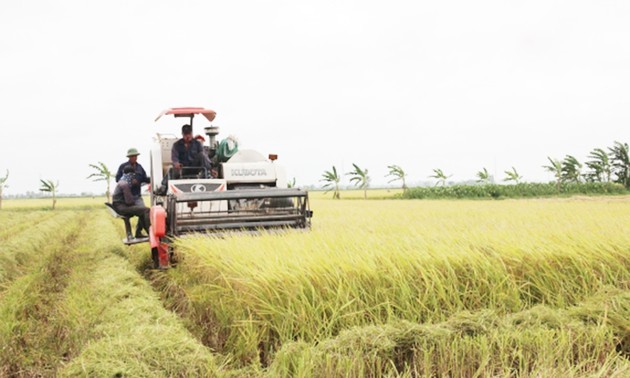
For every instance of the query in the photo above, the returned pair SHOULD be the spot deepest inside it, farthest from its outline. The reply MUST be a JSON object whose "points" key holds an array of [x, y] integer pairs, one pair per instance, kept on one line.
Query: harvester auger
{"points": [[249, 192]]}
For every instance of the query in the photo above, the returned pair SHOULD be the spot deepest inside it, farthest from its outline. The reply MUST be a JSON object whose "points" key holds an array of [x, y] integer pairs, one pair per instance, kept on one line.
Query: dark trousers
{"points": [[142, 212]]}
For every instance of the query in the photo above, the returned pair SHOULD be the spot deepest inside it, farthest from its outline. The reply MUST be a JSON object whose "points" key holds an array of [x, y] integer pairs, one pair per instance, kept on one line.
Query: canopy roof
{"points": [[189, 112]]}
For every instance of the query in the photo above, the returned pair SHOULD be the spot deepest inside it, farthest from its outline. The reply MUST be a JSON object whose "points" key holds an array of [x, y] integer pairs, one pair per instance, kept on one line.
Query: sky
{"points": [[455, 85]]}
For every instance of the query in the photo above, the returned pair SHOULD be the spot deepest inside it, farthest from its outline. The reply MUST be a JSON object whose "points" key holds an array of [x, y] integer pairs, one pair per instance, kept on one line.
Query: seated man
{"points": [[125, 203], [189, 152]]}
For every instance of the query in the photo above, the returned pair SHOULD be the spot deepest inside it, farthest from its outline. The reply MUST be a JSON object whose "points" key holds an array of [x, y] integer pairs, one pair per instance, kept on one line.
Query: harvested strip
{"points": [[119, 327], [19, 254], [32, 331], [13, 223], [85, 311]]}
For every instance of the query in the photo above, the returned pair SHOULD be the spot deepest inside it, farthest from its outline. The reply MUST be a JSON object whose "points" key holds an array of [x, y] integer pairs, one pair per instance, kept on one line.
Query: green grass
{"points": [[522, 190]]}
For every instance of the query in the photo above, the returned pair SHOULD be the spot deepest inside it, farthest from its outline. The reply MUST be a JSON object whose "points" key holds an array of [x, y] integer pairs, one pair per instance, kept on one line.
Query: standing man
{"points": [[125, 203], [140, 176]]}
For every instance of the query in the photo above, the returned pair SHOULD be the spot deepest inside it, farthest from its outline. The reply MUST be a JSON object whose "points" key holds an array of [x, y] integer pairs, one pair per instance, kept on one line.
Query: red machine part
{"points": [[159, 249], [158, 222], [163, 255]]}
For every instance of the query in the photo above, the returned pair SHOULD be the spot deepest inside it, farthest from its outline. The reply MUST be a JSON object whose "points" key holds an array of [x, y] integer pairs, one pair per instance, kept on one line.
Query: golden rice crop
{"points": [[69, 203], [377, 263], [541, 341], [376, 288]]}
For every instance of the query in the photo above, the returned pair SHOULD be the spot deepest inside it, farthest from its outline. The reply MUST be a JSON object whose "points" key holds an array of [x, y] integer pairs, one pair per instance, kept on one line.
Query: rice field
{"points": [[379, 288]]}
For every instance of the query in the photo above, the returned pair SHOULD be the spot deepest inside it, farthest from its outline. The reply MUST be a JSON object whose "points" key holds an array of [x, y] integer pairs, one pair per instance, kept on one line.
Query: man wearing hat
{"points": [[140, 175], [188, 152], [125, 203]]}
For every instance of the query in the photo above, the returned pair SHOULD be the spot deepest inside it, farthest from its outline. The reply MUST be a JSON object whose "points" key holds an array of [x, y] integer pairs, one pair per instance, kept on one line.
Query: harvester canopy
{"points": [[189, 112]]}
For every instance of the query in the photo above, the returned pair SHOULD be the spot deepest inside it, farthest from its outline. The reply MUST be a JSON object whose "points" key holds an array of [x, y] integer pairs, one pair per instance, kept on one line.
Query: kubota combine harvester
{"points": [[249, 192]]}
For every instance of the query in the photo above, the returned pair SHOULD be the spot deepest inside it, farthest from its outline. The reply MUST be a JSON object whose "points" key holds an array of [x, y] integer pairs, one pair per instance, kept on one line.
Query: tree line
{"points": [[611, 165]]}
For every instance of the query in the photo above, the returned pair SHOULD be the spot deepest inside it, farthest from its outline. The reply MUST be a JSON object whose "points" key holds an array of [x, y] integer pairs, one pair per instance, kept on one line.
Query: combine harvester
{"points": [[249, 192]]}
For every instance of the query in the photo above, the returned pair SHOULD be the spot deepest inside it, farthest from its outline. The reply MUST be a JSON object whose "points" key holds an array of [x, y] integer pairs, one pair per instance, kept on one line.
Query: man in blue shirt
{"points": [[188, 157], [188, 152], [140, 176]]}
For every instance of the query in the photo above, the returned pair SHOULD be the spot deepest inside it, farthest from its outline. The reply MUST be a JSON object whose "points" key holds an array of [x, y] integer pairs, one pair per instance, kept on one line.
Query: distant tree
{"points": [[513, 176], [620, 163], [360, 178], [599, 164], [555, 167], [102, 174], [3, 185], [483, 177], [571, 169], [398, 174], [50, 187], [439, 175], [332, 179]]}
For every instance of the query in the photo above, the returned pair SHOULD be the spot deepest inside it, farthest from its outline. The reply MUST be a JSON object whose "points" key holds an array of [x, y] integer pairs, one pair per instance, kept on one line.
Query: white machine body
{"points": [[245, 167]]}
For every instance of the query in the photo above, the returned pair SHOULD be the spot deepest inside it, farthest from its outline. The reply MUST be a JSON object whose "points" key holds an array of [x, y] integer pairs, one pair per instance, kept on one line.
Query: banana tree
{"points": [[513, 176], [102, 174], [439, 175], [571, 169], [620, 163], [50, 187], [555, 167], [360, 178], [332, 179], [599, 164], [483, 176], [3, 185], [398, 174]]}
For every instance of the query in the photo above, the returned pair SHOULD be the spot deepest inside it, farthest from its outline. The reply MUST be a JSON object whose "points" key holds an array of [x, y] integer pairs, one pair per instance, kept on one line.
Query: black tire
{"points": [[155, 257]]}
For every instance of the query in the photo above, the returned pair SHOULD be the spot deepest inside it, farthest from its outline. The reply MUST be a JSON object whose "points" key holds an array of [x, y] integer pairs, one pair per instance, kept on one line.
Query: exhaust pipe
{"points": [[212, 132]]}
